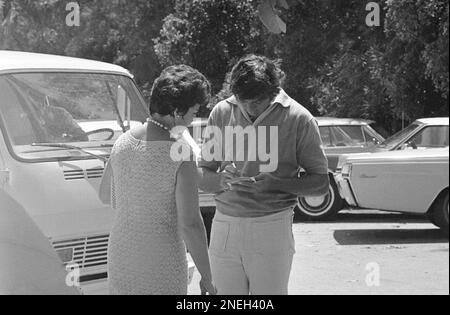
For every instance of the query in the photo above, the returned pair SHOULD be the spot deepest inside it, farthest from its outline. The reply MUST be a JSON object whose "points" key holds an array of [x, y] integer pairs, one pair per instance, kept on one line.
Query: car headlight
{"points": [[346, 170]]}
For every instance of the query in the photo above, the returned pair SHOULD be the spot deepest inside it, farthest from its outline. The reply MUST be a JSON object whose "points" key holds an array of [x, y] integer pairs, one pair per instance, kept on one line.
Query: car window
{"points": [[355, 132], [431, 137], [371, 138], [341, 138], [325, 134]]}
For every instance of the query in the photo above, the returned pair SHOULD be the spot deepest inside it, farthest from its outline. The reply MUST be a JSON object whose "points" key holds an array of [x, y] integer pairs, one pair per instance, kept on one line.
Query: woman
{"points": [[156, 197]]}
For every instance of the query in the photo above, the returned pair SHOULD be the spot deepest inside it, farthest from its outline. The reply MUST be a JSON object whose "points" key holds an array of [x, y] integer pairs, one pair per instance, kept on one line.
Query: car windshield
{"points": [[38, 111], [400, 136]]}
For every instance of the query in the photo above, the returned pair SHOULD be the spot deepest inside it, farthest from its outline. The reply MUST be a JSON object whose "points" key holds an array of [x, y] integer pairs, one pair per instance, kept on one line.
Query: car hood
{"points": [[439, 154]]}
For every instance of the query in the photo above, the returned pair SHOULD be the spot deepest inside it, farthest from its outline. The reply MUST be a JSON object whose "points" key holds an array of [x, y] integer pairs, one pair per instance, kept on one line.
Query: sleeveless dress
{"points": [[147, 255]]}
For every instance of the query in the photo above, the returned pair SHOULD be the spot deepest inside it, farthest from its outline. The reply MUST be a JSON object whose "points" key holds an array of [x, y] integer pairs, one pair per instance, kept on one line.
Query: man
{"points": [[252, 244], [58, 125]]}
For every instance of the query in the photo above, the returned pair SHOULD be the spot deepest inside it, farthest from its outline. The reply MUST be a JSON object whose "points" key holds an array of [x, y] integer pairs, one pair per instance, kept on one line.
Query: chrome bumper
{"points": [[345, 189]]}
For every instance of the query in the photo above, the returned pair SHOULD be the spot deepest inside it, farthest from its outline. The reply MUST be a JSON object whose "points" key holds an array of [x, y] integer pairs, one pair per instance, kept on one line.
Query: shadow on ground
{"points": [[390, 236], [366, 216]]}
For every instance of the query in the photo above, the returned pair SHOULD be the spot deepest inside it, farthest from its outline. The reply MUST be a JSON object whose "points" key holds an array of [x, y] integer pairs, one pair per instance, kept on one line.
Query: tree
{"points": [[116, 31], [391, 73], [416, 59], [122, 32], [335, 64], [209, 35], [34, 26]]}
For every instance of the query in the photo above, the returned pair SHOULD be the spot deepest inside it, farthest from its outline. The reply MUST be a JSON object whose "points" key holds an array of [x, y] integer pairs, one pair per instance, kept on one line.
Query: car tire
{"points": [[440, 212], [315, 209]]}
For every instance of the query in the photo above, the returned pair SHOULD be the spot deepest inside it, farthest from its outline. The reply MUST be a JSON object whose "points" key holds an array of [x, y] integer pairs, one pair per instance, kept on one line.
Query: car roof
{"points": [[18, 61], [439, 121], [331, 121]]}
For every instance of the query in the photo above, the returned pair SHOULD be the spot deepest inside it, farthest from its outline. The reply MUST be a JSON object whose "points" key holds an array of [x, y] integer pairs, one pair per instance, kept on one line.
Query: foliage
{"points": [[209, 35], [116, 31], [335, 64], [391, 73]]}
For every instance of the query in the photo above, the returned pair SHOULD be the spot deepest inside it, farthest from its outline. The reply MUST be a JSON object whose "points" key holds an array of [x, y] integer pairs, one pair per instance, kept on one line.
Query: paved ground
{"points": [[409, 255]]}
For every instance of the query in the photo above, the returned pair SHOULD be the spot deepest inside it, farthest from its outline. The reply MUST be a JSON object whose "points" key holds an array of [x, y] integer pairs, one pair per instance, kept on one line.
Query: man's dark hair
{"points": [[179, 88], [256, 77]]}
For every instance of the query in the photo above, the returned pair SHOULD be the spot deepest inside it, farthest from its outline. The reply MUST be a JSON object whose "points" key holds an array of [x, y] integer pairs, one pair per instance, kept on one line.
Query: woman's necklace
{"points": [[173, 134], [156, 123]]}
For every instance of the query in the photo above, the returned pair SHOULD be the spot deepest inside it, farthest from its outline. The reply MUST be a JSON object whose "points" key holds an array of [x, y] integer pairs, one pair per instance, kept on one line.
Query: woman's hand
{"points": [[207, 288]]}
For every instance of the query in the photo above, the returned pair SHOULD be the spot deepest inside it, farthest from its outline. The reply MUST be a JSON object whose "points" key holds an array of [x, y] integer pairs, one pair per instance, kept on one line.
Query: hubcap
{"points": [[317, 206], [315, 201]]}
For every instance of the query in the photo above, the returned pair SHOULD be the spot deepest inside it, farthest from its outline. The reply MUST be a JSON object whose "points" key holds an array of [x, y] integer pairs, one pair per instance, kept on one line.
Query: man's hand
{"points": [[264, 182], [230, 172], [214, 182]]}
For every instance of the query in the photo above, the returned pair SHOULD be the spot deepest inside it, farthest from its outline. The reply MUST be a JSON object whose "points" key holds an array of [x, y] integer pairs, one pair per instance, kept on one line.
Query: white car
{"points": [[59, 118], [28, 263], [409, 181]]}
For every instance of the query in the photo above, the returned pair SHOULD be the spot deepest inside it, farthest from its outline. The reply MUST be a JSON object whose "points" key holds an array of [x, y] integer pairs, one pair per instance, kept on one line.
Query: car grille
{"points": [[86, 252], [83, 174]]}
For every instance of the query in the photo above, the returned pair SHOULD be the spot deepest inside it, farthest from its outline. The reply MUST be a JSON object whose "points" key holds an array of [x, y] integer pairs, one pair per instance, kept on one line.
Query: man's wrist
{"points": [[282, 184]]}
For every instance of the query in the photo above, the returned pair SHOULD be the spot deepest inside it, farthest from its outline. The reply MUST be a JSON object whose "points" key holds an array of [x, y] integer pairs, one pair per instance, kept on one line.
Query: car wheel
{"points": [[441, 212], [321, 208]]}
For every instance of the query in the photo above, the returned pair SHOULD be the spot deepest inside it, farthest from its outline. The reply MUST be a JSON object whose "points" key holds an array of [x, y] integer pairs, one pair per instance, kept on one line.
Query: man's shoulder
{"points": [[222, 109], [225, 105], [299, 112]]}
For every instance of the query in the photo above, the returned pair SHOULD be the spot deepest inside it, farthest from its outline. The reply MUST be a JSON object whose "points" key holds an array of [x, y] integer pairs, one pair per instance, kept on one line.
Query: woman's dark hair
{"points": [[256, 77], [179, 88]]}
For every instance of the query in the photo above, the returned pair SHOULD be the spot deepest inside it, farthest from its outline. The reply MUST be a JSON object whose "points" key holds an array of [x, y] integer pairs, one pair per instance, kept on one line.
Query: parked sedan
{"points": [[409, 181], [424, 133]]}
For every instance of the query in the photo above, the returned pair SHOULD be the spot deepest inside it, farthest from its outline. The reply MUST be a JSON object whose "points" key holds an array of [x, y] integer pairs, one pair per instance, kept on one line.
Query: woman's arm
{"points": [[191, 221]]}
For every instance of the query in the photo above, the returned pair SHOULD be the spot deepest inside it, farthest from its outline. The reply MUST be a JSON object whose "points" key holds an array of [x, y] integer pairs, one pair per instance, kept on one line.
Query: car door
{"points": [[405, 185]]}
